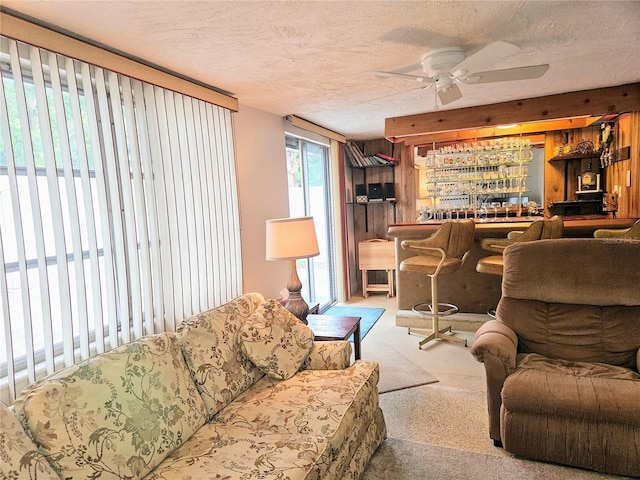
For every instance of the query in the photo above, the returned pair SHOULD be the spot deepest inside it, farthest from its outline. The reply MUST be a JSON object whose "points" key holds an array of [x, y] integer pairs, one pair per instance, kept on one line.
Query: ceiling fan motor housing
{"points": [[442, 60]]}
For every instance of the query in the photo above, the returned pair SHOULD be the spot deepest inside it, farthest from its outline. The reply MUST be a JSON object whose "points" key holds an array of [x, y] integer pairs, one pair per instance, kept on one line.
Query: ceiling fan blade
{"points": [[398, 93], [487, 55], [418, 78], [508, 74], [450, 94]]}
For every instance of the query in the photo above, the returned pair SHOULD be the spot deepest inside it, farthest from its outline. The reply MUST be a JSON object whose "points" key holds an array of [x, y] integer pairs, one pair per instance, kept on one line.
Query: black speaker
{"points": [[361, 193], [389, 191], [375, 192]]}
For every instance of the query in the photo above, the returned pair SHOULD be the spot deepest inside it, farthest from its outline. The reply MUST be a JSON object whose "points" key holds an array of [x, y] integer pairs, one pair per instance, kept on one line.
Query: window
{"points": [[119, 212], [308, 167]]}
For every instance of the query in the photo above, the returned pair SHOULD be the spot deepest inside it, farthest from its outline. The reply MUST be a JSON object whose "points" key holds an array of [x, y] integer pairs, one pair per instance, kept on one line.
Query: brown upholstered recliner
{"points": [[561, 359]]}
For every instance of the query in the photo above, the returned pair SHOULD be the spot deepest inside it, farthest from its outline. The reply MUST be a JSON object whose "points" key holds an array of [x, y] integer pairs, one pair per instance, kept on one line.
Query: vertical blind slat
{"points": [[192, 200], [108, 300], [216, 204], [115, 229], [132, 188], [87, 204], [6, 326], [234, 210], [34, 197], [185, 203], [163, 287], [205, 162], [152, 276], [130, 305], [198, 194], [220, 179], [4, 289], [79, 284], [179, 234], [168, 150]]}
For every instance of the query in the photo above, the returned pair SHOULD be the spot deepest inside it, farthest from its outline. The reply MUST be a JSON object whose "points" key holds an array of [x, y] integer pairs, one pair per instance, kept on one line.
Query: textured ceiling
{"points": [[314, 58]]}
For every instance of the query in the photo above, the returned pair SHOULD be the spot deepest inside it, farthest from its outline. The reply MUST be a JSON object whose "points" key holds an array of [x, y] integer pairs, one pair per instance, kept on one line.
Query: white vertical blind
{"points": [[119, 211]]}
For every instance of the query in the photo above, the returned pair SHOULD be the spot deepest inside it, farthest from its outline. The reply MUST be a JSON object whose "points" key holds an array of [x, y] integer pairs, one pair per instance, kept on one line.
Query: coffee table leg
{"points": [[356, 341]]}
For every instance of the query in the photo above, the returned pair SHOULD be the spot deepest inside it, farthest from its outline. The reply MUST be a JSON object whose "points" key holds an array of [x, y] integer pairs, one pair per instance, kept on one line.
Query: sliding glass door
{"points": [[308, 168]]}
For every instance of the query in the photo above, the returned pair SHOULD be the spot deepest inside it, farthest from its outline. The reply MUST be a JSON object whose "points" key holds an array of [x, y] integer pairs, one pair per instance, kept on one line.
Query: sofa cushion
{"points": [[275, 340], [117, 415], [574, 413], [315, 402], [229, 452], [19, 456], [592, 391], [211, 346]]}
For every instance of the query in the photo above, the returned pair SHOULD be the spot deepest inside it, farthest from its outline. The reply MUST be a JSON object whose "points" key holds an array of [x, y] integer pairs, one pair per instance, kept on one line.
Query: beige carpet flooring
{"points": [[405, 460], [396, 371]]}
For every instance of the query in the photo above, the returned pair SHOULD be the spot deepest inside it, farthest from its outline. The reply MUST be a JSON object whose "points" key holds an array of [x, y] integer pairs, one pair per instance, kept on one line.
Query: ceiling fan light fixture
{"points": [[444, 83], [442, 60]]}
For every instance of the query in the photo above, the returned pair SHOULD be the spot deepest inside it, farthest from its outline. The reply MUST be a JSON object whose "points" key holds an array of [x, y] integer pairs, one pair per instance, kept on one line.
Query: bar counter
{"points": [[471, 291]]}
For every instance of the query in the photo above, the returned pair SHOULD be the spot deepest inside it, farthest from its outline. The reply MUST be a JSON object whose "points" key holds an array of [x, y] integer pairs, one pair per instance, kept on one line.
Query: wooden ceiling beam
{"points": [[600, 101], [488, 132]]}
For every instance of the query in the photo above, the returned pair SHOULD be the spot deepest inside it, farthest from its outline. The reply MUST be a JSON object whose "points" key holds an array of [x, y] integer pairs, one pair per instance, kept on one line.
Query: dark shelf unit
{"points": [[374, 202], [591, 202]]}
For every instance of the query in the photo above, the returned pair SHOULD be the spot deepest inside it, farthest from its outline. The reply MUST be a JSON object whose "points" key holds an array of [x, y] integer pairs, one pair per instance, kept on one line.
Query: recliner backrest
{"points": [[576, 299]]}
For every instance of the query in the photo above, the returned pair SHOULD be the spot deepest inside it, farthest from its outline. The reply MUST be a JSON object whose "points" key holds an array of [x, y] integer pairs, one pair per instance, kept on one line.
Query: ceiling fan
{"points": [[446, 67]]}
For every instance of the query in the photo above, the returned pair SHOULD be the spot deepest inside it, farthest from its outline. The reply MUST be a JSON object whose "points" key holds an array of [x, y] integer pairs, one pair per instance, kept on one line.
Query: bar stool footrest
{"points": [[421, 309]]}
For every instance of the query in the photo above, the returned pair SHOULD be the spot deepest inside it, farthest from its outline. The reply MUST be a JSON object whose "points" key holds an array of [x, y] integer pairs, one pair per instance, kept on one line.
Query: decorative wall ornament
{"points": [[606, 142]]}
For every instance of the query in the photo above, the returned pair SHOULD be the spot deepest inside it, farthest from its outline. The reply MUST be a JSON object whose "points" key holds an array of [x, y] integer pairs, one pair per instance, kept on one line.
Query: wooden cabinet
{"points": [[576, 201]]}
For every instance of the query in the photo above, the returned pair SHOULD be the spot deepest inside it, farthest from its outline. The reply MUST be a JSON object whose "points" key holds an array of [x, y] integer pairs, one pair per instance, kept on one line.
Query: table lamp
{"points": [[291, 239]]}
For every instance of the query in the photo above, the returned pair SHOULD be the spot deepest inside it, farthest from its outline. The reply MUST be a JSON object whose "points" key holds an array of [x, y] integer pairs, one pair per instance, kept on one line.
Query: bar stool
{"points": [[538, 230], [442, 253], [632, 232]]}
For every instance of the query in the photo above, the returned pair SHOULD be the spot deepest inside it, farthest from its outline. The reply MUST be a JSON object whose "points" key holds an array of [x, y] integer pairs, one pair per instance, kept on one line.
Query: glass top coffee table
{"points": [[334, 327]]}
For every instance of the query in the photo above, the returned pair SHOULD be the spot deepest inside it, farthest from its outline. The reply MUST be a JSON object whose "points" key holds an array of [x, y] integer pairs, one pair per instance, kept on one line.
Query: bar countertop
{"points": [[574, 226]]}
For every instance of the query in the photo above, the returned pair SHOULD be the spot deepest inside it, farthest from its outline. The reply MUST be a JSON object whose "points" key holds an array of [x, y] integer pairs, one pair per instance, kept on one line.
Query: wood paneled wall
{"points": [[627, 134]]}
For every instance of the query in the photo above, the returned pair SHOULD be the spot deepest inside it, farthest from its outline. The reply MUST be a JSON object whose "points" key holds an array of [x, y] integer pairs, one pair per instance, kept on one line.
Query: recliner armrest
{"points": [[334, 355], [496, 346], [496, 339]]}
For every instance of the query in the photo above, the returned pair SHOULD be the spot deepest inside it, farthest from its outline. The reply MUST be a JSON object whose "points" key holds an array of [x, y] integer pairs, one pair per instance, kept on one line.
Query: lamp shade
{"points": [[291, 238]]}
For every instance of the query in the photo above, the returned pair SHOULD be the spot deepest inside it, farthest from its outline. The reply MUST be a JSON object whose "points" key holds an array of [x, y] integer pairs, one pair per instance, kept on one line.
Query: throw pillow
{"points": [[275, 340]]}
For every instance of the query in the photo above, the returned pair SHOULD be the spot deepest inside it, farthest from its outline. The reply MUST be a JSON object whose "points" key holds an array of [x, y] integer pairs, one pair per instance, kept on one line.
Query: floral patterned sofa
{"points": [[239, 392]]}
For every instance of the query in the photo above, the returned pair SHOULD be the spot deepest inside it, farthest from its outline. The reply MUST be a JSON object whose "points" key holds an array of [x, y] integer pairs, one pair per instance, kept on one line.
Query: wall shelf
{"points": [[375, 202]]}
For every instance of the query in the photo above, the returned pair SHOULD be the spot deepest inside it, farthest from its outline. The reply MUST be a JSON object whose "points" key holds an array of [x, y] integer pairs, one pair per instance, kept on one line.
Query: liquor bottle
{"points": [[589, 179]]}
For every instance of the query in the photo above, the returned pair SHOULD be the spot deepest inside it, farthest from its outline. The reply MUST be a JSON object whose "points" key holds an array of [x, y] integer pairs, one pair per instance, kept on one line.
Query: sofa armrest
{"points": [[334, 355], [495, 345], [638, 360]]}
